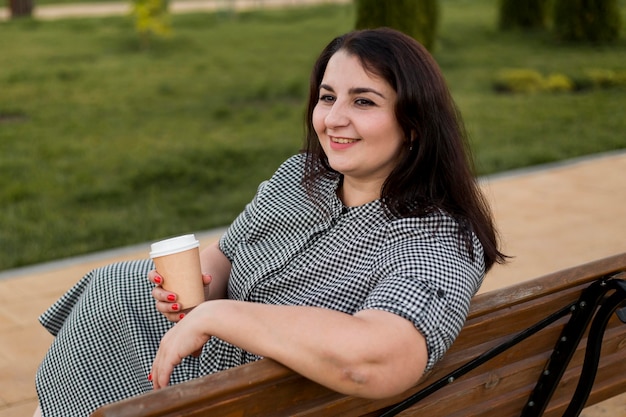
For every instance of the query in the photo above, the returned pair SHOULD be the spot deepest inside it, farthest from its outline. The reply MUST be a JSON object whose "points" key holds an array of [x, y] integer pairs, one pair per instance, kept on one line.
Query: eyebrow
{"points": [[354, 90]]}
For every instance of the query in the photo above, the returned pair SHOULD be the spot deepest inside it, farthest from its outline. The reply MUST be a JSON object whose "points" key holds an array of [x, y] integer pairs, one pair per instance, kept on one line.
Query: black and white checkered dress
{"points": [[284, 250]]}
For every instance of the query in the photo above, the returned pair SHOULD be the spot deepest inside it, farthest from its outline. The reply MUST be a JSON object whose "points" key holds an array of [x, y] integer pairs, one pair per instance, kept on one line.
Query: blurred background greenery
{"points": [[105, 143]]}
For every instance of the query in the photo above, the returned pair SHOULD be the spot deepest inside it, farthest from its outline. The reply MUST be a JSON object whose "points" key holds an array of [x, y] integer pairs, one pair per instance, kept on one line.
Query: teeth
{"points": [[343, 140]]}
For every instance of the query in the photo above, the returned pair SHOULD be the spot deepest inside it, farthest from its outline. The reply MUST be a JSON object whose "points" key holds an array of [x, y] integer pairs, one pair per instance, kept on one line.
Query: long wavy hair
{"points": [[435, 171]]}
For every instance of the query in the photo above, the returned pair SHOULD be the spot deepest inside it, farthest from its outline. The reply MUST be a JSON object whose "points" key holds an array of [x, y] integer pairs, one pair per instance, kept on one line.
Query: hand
{"points": [[166, 300], [186, 338]]}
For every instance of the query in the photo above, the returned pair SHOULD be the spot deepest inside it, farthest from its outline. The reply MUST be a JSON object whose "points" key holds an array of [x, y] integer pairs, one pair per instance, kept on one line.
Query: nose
{"points": [[337, 116]]}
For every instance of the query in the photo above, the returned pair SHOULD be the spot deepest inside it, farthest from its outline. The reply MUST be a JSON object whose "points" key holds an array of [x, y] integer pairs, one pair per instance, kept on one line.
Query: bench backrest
{"points": [[503, 383]]}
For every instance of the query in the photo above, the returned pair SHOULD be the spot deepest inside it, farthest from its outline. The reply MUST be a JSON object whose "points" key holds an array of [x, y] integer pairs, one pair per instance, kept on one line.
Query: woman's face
{"points": [[355, 122]]}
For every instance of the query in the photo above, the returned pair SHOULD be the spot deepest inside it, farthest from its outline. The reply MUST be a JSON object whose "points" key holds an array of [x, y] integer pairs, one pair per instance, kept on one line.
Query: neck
{"points": [[354, 193]]}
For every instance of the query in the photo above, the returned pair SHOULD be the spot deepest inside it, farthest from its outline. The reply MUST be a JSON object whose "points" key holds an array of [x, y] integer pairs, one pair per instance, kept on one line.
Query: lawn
{"points": [[104, 144]]}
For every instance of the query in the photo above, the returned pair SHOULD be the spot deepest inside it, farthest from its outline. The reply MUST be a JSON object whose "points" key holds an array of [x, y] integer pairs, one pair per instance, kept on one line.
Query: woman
{"points": [[377, 232]]}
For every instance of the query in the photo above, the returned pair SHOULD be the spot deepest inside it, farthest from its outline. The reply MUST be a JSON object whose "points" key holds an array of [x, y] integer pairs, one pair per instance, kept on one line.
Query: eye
{"points": [[327, 98], [363, 102]]}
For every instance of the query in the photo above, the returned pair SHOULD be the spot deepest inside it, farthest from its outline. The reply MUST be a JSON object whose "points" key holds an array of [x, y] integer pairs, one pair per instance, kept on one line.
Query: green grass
{"points": [[103, 144]]}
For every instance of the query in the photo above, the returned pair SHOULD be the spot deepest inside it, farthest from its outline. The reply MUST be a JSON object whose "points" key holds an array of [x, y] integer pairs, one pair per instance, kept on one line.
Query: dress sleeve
{"points": [[240, 227], [427, 279], [262, 206]]}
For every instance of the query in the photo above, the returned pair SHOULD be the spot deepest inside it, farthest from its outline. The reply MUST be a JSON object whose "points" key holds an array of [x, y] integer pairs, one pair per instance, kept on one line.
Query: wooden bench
{"points": [[516, 368]]}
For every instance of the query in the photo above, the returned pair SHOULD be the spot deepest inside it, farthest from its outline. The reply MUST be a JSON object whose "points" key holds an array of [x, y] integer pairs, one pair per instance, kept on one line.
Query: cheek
{"points": [[318, 120], [395, 139]]}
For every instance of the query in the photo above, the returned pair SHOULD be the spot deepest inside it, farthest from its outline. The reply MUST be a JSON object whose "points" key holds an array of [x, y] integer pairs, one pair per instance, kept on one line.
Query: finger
{"points": [[161, 368], [162, 295], [156, 375], [206, 279], [155, 277], [167, 307], [162, 378]]}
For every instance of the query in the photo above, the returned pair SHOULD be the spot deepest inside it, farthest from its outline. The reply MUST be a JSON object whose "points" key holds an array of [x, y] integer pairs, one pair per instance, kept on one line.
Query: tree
{"points": [[523, 14], [417, 18], [21, 8], [587, 20]]}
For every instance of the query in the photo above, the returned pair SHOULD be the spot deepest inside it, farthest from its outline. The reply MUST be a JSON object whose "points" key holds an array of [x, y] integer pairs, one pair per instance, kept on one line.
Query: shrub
{"points": [[601, 78], [524, 14], [417, 18], [151, 19], [620, 79], [531, 81], [585, 20], [597, 78], [519, 81], [558, 83]]}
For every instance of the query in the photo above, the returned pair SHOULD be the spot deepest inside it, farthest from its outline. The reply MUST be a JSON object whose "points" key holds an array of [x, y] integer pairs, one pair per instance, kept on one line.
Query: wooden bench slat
{"points": [[548, 284]]}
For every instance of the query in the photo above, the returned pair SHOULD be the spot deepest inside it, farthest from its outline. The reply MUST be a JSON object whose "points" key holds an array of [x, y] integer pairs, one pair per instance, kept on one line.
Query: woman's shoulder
{"points": [[285, 181], [290, 171], [293, 164]]}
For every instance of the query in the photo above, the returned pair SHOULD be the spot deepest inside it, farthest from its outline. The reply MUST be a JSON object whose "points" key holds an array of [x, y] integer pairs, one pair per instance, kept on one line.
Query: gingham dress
{"points": [[284, 250]]}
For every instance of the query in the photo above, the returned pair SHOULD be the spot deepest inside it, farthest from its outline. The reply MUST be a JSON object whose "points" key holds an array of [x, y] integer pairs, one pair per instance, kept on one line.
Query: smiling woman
{"points": [[376, 232]]}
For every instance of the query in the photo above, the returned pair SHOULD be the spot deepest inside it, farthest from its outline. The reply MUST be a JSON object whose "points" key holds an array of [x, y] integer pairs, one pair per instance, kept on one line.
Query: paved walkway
{"points": [[74, 10], [550, 218]]}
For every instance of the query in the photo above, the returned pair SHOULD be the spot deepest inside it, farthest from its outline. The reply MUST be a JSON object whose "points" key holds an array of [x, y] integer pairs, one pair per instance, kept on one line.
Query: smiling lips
{"points": [[342, 140], [341, 143]]}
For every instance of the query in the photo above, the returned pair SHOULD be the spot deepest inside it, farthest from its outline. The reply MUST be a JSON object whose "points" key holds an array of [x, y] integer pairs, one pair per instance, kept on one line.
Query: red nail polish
{"points": [[181, 316], [158, 279], [149, 377], [171, 297], [175, 307]]}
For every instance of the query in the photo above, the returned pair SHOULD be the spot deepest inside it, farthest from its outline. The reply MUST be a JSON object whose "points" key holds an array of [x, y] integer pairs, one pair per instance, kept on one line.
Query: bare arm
{"points": [[214, 263], [371, 354]]}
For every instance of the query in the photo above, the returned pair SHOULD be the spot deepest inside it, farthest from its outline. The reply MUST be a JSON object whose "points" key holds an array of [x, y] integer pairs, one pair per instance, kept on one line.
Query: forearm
{"points": [[371, 354], [216, 264]]}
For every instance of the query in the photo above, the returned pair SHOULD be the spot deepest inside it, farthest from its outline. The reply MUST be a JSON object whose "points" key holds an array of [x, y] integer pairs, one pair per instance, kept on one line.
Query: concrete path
{"points": [[76, 10], [550, 218]]}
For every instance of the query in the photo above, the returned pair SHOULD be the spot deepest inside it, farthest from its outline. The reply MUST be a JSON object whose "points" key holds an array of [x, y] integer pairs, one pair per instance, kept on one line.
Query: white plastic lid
{"points": [[173, 245]]}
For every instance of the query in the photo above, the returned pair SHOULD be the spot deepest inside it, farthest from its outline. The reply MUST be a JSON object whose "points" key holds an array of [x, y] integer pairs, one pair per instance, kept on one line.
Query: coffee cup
{"points": [[177, 260]]}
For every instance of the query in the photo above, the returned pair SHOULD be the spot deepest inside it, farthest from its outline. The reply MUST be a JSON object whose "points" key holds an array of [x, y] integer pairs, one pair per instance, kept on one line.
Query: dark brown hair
{"points": [[436, 171]]}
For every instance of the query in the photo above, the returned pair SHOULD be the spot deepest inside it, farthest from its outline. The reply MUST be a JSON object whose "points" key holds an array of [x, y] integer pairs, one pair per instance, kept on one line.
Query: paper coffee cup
{"points": [[177, 260]]}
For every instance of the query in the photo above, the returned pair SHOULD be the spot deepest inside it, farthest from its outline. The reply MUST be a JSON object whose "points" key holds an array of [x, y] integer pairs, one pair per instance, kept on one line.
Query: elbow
{"points": [[378, 382], [380, 370]]}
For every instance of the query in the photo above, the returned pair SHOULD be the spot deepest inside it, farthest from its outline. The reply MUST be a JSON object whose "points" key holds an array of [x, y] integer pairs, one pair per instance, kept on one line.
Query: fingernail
{"points": [[149, 377], [181, 316], [171, 297], [175, 307], [158, 279]]}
